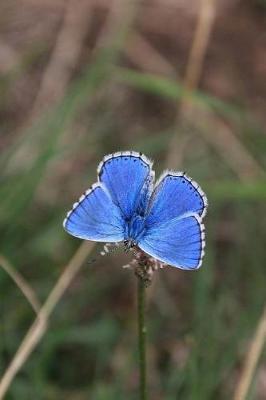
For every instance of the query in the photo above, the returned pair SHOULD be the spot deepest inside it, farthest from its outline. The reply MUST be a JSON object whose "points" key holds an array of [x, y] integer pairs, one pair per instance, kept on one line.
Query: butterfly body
{"points": [[135, 228], [164, 220]]}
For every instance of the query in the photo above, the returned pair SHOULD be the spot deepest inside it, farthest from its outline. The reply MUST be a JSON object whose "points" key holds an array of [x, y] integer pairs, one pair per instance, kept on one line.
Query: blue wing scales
{"points": [[95, 217], [126, 175], [175, 194], [178, 242]]}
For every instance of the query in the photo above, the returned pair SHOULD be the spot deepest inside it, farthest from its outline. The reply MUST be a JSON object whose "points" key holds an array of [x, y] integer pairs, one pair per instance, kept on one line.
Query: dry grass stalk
{"points": [[214, 131], [59, 70], [193, 72], [22, 284], [200, 44], [9, 58], [65, 55], [252, 359], [145, 56], [39, 325], [121, 15], [222, 138]]}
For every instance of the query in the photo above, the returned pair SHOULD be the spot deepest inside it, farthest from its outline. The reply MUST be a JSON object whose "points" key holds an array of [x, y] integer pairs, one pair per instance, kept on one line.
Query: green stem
{"points": [[142, 338]]}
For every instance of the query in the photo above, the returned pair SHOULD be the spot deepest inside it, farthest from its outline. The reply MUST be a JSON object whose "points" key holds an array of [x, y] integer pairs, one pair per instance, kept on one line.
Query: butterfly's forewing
{"points": [[178, 242], [95, 217], [175, 194], [125, 174]]}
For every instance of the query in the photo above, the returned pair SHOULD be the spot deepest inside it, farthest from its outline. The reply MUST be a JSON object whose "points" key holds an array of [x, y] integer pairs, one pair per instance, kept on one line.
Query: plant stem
{"points": [[142, 339]]}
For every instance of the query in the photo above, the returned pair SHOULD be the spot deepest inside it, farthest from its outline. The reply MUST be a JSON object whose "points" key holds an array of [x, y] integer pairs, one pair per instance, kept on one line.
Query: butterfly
{"points": [[163, 219]]}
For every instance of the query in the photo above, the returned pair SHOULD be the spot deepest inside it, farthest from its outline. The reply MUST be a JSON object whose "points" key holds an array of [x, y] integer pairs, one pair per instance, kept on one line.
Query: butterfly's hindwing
{"points": [[179, 242]]}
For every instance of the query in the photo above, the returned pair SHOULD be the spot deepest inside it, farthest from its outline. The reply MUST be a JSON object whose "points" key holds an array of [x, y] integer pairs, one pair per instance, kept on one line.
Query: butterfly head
{"points": [[129, 244]]}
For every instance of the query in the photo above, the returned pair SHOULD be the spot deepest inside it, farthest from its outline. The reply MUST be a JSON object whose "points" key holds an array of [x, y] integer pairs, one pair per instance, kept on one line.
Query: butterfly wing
{"points": [[95, 217], [178, 242], [127, 176], [174, 195], [174, 230]]}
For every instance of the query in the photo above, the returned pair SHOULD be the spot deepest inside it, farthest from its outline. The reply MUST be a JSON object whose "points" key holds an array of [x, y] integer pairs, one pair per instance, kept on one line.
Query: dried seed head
{"points": [[145, 265]]}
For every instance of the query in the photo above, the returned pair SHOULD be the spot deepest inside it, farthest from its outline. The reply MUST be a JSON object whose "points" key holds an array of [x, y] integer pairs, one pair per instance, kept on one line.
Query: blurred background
{"points": [[184, 83]]}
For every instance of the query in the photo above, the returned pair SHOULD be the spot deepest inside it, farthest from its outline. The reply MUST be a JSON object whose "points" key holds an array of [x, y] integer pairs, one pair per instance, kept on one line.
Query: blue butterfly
{"points": [[164, 220]]}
